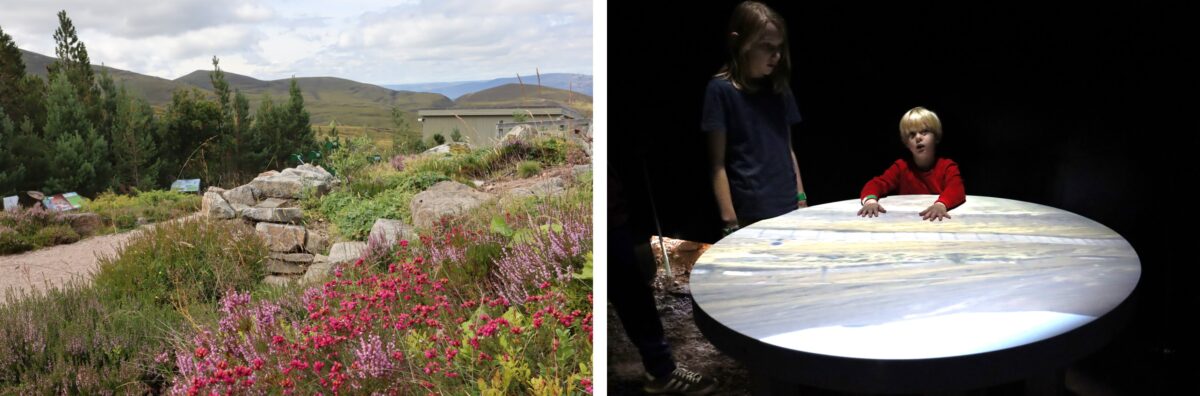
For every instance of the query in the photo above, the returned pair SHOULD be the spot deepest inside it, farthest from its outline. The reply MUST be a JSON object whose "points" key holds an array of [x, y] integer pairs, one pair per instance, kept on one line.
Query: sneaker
{"points": [[682, 382]]}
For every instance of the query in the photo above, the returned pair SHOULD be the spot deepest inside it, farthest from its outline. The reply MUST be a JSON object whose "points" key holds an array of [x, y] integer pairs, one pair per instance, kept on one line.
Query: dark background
{"points": [[1084, 108]]}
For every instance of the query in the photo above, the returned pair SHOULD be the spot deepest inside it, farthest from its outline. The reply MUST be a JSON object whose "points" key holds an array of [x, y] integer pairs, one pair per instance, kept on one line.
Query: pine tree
{"points": [[12, 170], [79, 154], [188, 138], [134, 151], [73, 61], [21, 95], [299, 126]]}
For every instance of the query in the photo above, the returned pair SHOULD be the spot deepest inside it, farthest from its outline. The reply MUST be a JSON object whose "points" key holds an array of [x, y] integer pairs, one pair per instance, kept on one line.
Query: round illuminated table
{"points": [[1004, 291]]}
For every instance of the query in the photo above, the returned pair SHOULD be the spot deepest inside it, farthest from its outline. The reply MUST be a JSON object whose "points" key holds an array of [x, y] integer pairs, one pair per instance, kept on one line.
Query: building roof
{"points": [[499, 111]]}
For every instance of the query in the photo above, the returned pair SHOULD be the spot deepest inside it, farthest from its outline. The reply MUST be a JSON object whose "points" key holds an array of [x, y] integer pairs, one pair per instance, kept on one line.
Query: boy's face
{"points": [[922, 143], [765, 52]]}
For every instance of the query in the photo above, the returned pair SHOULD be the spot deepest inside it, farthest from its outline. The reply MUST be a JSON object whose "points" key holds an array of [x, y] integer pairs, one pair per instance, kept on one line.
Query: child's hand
{"points": [[936, 211], [871, 209]]}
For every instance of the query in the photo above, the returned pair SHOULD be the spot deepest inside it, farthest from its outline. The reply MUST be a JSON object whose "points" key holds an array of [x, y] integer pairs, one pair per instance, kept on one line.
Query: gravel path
{"points": [[55, 265]]}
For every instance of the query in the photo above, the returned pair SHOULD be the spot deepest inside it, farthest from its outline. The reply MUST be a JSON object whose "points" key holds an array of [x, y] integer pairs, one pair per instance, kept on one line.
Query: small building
{"points": [[483, 127]]}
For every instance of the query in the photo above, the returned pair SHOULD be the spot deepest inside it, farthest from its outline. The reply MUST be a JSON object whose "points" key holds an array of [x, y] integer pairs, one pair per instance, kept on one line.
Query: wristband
{"points": [[872, 196], [801, 197]]}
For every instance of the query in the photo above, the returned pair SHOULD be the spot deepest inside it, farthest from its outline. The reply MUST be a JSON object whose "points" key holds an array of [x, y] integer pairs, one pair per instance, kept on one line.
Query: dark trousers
{"points": [[634, 302]]}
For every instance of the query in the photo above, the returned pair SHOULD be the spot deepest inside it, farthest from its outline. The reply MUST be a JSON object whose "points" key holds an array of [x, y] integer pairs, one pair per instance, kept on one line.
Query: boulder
{"points": [[389, 232], [215, 207], [543, 188], [446, 198], [316, 243], [317, 272], [518, 133], [346, 252], [290, 185], [280, 237], [244, 195], [274, 215]]}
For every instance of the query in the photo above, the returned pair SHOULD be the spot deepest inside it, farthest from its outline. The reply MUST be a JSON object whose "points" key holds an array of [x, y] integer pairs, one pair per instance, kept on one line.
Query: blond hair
{"points": [[920, 118], [749, 20]]}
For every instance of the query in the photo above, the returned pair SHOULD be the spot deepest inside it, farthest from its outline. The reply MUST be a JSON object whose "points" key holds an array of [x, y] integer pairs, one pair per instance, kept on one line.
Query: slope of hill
{"points": [[329, 98], [155, 90], [517, 95], [580, 83]]}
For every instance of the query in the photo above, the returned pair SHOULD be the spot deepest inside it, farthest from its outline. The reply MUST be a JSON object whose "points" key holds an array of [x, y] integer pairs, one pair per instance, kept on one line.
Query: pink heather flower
{"points": [[201, 352], [258, 363], [403, 243], [371, 358]]}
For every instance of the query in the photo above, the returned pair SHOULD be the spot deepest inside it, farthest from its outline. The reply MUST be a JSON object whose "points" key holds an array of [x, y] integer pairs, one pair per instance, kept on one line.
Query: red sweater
{"points": [[903, 178]]}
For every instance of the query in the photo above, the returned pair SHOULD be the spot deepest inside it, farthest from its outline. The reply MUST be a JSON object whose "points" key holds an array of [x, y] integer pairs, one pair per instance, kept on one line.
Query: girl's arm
{"points": [[796, 168], [716, 156]]}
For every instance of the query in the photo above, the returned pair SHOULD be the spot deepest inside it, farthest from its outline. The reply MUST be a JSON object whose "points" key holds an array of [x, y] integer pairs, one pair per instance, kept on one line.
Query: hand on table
{"points": [[871, 209], [936, 211]]}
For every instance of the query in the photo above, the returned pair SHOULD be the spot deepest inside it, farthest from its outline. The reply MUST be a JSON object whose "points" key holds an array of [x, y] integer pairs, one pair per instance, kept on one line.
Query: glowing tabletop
{"points": [[1001, 291]]}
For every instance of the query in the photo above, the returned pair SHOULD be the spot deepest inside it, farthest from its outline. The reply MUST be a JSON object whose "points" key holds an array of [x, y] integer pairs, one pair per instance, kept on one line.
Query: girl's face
{"points": [[764, 53]]}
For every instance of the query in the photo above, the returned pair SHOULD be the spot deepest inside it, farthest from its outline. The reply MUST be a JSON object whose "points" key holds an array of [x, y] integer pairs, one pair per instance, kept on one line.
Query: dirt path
{"points": [[55, 265]]}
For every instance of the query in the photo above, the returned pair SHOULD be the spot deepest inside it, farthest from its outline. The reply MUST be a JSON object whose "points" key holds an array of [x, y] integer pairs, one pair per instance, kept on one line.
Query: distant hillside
{"points": [[516, 95], [326, 98], [155, 90], [330, 98], [580, 83]]}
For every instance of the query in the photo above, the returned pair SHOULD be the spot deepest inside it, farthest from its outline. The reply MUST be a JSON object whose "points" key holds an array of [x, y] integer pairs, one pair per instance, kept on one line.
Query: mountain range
{"points": [[345, 101]]}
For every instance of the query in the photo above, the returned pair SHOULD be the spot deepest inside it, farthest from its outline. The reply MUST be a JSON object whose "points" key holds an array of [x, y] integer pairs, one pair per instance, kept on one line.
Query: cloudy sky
{"points": [[380, 42]]}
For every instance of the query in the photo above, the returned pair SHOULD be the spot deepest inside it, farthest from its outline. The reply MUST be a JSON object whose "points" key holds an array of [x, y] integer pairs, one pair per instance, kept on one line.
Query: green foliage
{"points": [[74, 65], [80, 159], [134, 152], [56, 234], [405, 138], [353, 215], [586, 273], [122, 211], [478, 263], [189, 139], [527, 169], [23, 94], [184, 262], [456, 135], [439, 139], [12, 170], [351, 158], [26, 229]]}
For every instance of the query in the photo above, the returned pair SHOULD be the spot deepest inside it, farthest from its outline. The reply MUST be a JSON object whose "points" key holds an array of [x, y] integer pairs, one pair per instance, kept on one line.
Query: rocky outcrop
{"points": [[447, 198], [389, 232]]}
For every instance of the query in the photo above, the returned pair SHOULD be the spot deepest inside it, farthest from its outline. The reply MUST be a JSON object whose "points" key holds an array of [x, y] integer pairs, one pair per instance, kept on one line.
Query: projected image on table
{"points": [[1000, 274]]}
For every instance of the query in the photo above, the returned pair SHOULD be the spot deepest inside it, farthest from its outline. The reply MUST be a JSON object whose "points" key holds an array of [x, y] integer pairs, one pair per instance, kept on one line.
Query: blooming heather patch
{"points": [[393, 331]]}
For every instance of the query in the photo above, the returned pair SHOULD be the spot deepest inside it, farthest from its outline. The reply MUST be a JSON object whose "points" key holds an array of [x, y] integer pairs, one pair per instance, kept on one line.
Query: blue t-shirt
{"points": [[758, 160]]}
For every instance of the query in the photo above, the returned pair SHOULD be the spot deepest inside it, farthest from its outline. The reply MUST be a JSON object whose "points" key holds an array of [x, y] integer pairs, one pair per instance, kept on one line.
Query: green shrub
{"points": [[439, 139], [12, 241], [528, 169], [184, 262], [120, 212], [57, 234]]}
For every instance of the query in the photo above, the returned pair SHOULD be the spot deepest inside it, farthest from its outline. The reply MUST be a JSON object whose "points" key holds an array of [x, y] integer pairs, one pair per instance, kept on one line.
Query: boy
{"points": [[925, 173]]}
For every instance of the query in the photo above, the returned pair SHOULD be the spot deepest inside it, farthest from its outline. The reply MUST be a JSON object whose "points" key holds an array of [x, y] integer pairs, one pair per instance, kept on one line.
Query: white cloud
{"points": [[364, 40]]}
